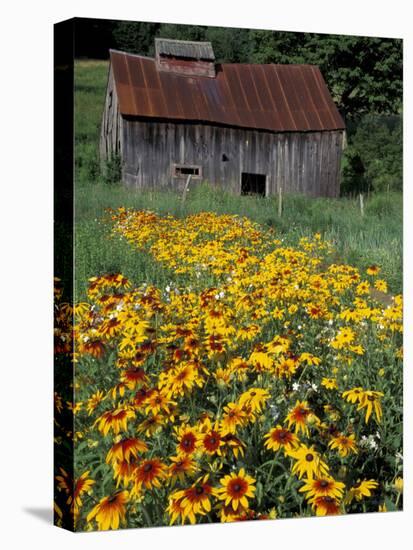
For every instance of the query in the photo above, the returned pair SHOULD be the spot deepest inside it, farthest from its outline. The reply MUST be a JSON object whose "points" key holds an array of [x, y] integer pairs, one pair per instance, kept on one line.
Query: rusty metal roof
{"points": [[184, 48], [270, 97]]}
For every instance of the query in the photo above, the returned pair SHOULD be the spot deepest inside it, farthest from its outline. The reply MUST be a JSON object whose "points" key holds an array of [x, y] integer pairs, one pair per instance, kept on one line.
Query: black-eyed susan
{"points": [[321, 487], [110, 511], [158, 402], [234, 444], [175, 508], [344, 337], [236, 489], [373, 270], [329, 383], [134, 377], [362, 489], [354, 395], [370, 401], [308, 462], [299, 417], [196, 500], [149, 473], [281, 438], [115, 420], [285, 367], [234, 416], [94, 347], [345, 444], [210, 438], [126, 449], [188, 439], [94, 400], [180, 380], [182, 466], [75, 488], [151, 425], [124, 471], [326, 506], [227, 514], [254, 399]]}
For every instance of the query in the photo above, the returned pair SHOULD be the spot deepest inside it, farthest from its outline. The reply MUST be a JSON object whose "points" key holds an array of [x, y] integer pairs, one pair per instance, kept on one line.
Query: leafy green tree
{"points": [[363, 74], [135, 37], [373, 159]]}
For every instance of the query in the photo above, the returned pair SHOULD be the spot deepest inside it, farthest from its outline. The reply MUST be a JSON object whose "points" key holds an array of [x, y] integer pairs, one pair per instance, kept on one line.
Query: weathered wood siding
{"points": [[306, 163], [111, 127]]}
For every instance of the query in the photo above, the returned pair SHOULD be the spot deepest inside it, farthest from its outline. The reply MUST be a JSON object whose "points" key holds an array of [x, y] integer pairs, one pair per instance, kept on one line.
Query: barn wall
{"points": [[298, 162], [111, 127]]}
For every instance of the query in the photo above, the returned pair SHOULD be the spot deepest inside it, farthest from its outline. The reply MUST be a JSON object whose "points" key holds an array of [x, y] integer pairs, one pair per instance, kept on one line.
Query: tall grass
{"points": [[375, 238]]}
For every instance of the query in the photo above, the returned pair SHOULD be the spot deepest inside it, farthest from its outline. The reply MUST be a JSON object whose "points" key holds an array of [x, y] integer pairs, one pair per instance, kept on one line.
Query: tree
{"points": [[363, 74], [135, 37]]}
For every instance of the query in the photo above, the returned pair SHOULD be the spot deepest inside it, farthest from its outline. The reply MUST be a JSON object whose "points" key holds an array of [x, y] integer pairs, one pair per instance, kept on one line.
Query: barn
{"points": [[248, 128]]}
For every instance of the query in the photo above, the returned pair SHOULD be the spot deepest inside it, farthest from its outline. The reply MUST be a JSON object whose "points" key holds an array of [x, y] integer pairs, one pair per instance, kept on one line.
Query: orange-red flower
{"points": [[280, 437], [126, 449], [236, 488], [149, 474]]}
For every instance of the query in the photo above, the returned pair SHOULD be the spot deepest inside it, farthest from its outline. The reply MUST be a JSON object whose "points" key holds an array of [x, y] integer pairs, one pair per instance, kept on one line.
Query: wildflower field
{"points": [[256, 379]]}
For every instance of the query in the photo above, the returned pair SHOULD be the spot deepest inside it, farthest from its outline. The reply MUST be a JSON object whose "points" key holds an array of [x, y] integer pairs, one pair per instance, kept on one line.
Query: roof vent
{"points": [[185, 57]]}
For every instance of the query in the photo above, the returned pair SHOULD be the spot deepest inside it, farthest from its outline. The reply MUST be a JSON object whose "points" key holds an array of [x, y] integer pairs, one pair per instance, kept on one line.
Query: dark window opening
{"points": [[253, 184], [186, 170], [224, 157]]}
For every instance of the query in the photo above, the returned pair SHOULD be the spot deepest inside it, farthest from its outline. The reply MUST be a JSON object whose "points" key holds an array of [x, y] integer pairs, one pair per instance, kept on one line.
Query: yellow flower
{"points": [[234, 416], [329, 383], [254, 399], [300, 416], [116, 420], [398, 484], [380, 285], [355, 395], [360, 490], [322, 486], [236, 489], [371, 402], [280, 437], [308, 462], [373, 270], [192, 501], [344, 444], [110, 511], [94, 401], [344, 337]]}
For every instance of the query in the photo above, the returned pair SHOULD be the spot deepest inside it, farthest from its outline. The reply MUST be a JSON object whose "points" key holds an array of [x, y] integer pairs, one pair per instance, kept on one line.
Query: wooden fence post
{"points": [[188, 179], [362, 204], [280, 201]]}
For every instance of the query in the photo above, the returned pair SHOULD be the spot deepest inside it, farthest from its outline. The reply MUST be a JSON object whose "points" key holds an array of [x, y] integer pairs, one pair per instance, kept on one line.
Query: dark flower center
{"points": [[188, 441], [147, 467], [282, 434], [309, 457], [370, 397], [236, 487], [324, 483], [199, 490]]}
